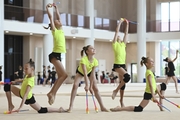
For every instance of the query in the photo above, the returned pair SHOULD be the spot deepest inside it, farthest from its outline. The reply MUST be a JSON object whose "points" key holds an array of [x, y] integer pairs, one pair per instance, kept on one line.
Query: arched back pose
{"points": [[86, 70], [171, 69], [55, 56], [150, 91], [119, 48]]}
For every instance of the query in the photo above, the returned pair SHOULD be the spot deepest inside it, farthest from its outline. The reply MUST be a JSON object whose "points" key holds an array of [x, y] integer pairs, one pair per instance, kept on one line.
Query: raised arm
{"points": [[126, 31], [176, 56], [24, 98], [57, 14], [117, 30], [50, 16]]}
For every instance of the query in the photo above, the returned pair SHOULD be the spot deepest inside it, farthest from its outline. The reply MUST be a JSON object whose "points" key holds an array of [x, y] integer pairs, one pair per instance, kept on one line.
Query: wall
{"points": [[29, 45], [103, 51]]}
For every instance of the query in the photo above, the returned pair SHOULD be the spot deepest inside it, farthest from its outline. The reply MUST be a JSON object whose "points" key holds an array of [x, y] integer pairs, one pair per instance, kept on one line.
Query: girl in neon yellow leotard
{"points": [[150, 90], [55, 56]]}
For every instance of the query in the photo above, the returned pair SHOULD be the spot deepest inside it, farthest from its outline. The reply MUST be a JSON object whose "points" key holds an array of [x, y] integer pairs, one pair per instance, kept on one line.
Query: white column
{"points": [[89, 11], [141, 38], [48, 38], [2, 36], [157, 59], [47, 48]]}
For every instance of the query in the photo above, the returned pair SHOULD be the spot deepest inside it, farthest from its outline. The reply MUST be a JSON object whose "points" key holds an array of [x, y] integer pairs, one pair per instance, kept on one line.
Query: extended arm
{"points": [[117, 31], [24, 97], [57, 13], [126, 32], [151, 88], [50, 17], [176, 56]]}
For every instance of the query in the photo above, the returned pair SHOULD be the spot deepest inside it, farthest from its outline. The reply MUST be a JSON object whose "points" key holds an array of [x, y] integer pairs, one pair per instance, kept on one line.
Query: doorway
{"points": [[133, 72], [13, 54]]}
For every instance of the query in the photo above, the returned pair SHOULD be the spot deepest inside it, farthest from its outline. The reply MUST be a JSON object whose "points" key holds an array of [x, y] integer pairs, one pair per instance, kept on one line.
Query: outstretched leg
{"points": [[62, 75], [139, 108], [77, 79], [98, 97], [176, 83], [40, 109], [167, 80]]}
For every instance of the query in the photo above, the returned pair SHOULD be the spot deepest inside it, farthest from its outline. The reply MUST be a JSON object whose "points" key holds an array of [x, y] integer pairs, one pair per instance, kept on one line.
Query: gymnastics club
{"points": [[55, 3], [172, 103], [9, 112], [163, 107], [130, 21], [87, 109], [2, 83], [96, 109]]}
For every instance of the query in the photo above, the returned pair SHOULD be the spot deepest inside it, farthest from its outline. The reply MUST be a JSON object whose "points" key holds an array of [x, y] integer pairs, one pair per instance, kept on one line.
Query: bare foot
{"points": [[161, 109], [177, 92], [114, 94], [11, 107], [61, 110], [115, 109], [69, 110], [104, 110], [50, 98]]}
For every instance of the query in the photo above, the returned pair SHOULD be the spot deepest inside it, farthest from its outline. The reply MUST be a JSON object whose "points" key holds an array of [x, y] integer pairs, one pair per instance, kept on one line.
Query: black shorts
{"points": [[29, 101], [55, 55], [81, 73], [147, 96], [119, 66], [170, 74], [163, 86]]}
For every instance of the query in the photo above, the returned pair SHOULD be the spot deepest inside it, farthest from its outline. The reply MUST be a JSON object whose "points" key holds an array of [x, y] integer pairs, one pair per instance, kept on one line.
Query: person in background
{"points": [[171, 70]]}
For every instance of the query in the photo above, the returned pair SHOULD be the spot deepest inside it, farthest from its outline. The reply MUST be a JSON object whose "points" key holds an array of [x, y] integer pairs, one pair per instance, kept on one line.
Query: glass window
{"points": [[168, 49], [170, 15], [174, 16], [10, 1], [164, 16], [80, 21], [98, 22], [69, 19], [63, 18]]}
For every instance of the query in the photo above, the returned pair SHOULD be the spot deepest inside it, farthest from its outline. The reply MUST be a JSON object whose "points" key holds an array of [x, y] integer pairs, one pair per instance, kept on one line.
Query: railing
{"points": [[40, 16]]}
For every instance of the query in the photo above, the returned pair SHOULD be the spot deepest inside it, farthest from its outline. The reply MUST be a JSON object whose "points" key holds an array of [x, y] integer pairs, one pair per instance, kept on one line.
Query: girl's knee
{"points": [[43, 110], [75, 86], [95, 89], [7, 88]]}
